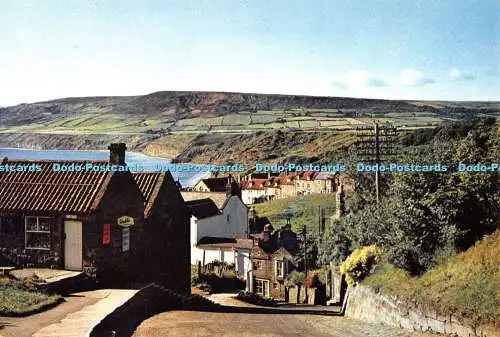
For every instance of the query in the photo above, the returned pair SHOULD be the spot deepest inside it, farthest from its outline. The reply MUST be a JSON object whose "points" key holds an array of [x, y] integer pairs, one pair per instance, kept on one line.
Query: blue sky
{"points": [[446, 49]]}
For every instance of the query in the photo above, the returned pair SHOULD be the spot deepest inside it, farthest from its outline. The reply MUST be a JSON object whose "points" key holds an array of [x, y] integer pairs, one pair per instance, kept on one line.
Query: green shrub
{"points": [[212, 282], [359, 264], [295, 278]]}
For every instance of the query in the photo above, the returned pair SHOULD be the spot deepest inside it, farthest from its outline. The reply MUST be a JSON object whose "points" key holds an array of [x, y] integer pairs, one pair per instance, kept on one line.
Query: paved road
{"points": [[243, 320]]}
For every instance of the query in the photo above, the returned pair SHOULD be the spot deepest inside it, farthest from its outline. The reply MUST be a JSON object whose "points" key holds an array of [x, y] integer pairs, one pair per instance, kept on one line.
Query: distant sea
{"points": [[148, 163]]}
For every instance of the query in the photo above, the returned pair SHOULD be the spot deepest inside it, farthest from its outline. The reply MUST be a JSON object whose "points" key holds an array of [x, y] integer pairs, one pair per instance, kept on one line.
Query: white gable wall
{"points": [[233, 222]]}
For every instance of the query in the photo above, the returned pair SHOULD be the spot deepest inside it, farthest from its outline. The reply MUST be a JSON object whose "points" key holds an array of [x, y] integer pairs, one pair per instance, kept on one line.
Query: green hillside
{"points": [[467, 284]]}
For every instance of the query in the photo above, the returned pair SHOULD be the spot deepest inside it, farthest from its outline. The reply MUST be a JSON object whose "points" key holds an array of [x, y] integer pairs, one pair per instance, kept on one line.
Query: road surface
{"points": [[243, 320]]}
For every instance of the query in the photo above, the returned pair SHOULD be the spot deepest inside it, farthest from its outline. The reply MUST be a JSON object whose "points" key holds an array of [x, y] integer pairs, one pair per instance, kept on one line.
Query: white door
{"points": [[73, 248]]}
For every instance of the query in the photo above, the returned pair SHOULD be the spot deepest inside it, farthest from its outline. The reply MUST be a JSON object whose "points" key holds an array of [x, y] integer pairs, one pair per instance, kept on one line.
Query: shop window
{"points": [[37, 232]]}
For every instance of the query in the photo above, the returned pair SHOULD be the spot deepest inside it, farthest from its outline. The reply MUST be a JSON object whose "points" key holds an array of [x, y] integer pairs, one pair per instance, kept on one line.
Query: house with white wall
{"points": [[211, 226]]}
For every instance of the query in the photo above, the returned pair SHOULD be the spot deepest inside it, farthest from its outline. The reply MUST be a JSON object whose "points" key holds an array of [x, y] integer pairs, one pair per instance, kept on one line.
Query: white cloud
{"points": [[458, 75], [413, 77], [357, 79]]}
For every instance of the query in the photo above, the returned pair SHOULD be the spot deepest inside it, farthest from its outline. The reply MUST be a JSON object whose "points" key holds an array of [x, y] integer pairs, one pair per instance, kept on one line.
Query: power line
{"points": [[376, 143]]}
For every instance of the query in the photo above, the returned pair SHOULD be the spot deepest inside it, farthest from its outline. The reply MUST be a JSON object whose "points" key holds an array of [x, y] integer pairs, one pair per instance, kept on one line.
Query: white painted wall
{"points": [[240, 257], [248, 196], [233, 222]]}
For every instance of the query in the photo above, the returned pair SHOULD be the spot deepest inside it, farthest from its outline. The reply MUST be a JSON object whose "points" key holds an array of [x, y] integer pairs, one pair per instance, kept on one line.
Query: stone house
{"points": [[287, 185], [95, 221], [212, 184], [272, 260], [167, 239], [85, 221], [254, 191]]}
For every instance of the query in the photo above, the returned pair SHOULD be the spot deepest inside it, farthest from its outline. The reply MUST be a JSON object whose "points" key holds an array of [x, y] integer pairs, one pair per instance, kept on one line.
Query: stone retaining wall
{"points": [[365, 304]]}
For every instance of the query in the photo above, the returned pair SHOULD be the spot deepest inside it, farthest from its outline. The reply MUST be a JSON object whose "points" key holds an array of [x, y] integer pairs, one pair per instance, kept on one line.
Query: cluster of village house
{"points": [[257, 187], [123, 227]]}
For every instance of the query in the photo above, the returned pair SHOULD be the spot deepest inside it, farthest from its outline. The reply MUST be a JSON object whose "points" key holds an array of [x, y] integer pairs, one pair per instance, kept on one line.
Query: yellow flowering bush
{"points": [[358, 265]]}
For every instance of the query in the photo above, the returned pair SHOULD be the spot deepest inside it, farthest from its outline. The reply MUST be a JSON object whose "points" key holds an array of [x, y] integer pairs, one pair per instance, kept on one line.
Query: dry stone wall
{"points": [[365, 304]]}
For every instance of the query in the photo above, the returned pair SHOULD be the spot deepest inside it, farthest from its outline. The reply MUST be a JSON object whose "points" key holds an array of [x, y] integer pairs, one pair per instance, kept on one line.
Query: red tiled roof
{"points": [[49, 191], [253, 184], [308, 174], [149, 183]]}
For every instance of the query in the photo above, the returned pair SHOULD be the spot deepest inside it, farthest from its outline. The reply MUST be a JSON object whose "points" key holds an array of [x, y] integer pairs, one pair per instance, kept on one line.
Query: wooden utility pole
{"points": [[375, 146], [305, 248], [377, 161], [304, 229], [319, 220]]}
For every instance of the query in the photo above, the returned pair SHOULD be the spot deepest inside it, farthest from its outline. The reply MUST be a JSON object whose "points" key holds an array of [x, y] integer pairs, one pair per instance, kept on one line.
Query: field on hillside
{"points": [[101, 122], [307, 206]]}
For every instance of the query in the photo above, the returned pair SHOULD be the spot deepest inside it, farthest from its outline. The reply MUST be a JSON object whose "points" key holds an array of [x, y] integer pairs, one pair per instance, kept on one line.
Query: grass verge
{"points": [[465, 285], [21, 299]]}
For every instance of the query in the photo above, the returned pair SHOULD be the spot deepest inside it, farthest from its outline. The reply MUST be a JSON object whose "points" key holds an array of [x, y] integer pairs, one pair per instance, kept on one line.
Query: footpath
{"points": [[76, 317], [81, 323]]}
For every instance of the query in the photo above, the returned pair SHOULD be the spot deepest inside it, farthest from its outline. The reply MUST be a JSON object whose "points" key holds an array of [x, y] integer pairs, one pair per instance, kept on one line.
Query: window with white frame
{"points": [[262, 287], [281, 269], [37, 232]]}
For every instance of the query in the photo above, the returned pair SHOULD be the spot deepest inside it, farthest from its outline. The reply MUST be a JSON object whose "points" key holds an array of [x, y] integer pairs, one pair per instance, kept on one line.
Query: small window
{"points": [[281, 269], [37, 232], [262, 287]]}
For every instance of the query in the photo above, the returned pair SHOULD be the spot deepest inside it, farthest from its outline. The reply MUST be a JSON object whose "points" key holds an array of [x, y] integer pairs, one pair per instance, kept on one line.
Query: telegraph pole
{"points": [[377, 161], [319, 220], [375, 145], [305, 248], [304, 229]]}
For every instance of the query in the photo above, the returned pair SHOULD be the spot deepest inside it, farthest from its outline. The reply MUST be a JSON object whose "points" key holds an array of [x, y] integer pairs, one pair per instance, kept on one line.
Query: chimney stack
{"points": [[117, 153]]}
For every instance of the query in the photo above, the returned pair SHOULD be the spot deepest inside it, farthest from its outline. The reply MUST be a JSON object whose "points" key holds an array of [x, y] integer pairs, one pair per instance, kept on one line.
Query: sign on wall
{"points": [[106, 234], [125, 221], [125, 239]]}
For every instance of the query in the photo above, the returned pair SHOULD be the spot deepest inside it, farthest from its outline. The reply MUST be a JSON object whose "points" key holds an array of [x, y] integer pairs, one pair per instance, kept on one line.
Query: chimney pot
{"points": [[117, 153]]}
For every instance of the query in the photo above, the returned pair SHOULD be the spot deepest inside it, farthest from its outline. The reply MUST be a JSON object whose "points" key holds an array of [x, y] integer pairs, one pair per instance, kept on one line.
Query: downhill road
{"points": [[243, 320]]}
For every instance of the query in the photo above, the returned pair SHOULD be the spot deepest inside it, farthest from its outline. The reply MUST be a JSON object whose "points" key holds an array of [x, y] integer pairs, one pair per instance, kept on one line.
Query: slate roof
{"points": [[203, 208], [218, 198], [216, 184], [227, 243], [50, 191]]}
